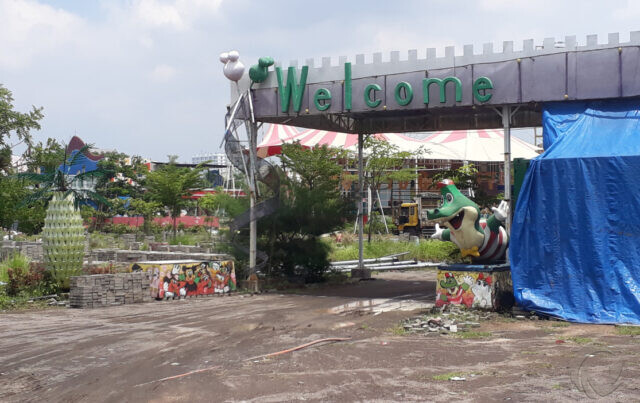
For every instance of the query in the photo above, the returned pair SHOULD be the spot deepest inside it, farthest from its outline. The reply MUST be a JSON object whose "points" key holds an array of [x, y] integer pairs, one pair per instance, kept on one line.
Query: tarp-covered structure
{"points": [[575, 241]]}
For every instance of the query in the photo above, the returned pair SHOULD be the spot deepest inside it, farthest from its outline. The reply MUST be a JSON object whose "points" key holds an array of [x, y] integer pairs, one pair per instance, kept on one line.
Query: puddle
{"points": [[379, 305]]}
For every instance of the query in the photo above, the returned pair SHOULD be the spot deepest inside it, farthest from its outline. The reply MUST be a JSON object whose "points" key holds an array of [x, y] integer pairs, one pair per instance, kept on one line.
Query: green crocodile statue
{"points": [[483, 240]]}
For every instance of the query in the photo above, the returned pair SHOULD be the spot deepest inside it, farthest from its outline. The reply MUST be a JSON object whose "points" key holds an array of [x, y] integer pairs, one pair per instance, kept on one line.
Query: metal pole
{"points": [[253, 225], [384, 220], [506, 123], [360, 207]]}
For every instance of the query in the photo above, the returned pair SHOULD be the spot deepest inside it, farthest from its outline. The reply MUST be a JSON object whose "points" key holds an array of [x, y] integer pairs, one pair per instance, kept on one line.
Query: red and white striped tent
{"points": [[463, 145], [273, 139], [481, 145]]}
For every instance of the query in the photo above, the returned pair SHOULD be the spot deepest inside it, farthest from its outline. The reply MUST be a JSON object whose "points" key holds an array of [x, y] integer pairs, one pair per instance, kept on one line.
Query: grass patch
{"points": [[425, 250], [579, 340], [557, 386], [397, 330], [20, 303], [473, 335], [560, 324], [529, 352], [628, 330], [447, 376]]}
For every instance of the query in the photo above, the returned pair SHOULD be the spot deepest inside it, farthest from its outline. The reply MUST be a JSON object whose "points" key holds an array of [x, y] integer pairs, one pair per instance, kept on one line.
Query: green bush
{"points": [[300, 257], [119, 229], [24, 277], [15, 261]]}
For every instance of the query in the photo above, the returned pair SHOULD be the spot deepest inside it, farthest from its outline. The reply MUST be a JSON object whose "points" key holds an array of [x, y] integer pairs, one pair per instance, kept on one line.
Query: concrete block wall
{"points": [[32, 249], [102, 290]]}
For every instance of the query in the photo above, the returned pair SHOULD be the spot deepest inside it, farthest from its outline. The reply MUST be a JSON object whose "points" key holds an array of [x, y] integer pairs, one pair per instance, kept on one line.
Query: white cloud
{"points": [[177, 14], [162, 73], [630, 10], [29, 29]]}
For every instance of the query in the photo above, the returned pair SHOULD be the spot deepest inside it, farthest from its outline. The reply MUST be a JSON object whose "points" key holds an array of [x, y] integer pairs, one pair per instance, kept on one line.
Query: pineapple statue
{"points": [[63, 239]]}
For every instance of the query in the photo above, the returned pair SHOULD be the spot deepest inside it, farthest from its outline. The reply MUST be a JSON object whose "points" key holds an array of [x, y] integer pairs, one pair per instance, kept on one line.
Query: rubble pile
{"points": [[445, 320]]}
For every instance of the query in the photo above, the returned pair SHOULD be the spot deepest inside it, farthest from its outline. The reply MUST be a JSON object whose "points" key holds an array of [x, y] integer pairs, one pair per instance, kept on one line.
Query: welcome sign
{"points": [[292, 91]]}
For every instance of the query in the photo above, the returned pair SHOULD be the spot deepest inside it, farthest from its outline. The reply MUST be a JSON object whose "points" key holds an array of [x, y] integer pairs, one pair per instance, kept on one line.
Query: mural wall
{"points": [[174, 280], [485, 290]]}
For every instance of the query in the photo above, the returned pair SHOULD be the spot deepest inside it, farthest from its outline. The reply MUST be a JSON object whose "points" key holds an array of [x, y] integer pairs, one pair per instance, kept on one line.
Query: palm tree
{"points": [[63, 233]]}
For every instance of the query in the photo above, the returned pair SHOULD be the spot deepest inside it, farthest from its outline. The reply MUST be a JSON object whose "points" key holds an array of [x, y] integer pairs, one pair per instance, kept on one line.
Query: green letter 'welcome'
{"points": [[443, 87], [292, 88]]}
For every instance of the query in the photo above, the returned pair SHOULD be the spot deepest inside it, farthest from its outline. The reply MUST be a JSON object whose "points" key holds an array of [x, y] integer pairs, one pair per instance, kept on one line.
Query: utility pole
{"points": [[361, 271]]}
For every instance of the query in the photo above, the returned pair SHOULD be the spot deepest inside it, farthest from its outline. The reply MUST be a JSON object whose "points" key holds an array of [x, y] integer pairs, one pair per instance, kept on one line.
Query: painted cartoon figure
{"points": [[155, 283], [190, 280], [173, 287], [482, 291], [453, 292], [205, 283], [483, 240]]}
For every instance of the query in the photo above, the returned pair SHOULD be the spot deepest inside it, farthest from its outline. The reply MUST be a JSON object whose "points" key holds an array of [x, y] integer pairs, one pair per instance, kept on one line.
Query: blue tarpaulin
{"points": [[575, 238]]}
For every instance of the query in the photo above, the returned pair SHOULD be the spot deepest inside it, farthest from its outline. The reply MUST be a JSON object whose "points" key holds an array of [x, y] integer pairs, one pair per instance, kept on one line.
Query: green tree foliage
{"points": [[385, 162], [44, 157], [310, 205], [464, 177], [318, 167], [223, 204], [14, 126], [124, 175], [13, 192], [146, 209], [170, 186]]}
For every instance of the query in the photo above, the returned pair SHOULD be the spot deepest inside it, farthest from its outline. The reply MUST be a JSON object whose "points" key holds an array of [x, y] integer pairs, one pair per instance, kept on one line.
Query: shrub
{"points": [[300, 257], [15, 261]]}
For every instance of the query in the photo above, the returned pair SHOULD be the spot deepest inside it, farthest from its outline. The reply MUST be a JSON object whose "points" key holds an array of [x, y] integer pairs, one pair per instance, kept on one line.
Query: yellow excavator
{"points": [[411, 218], [409, 221]]}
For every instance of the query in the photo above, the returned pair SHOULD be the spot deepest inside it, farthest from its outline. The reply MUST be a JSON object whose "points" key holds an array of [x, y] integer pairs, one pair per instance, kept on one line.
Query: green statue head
{"points": [[259, 72]]}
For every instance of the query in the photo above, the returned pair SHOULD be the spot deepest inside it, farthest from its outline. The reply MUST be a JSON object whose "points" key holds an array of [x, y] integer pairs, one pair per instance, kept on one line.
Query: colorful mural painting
{"points": [[461, 288], [181, 279]]}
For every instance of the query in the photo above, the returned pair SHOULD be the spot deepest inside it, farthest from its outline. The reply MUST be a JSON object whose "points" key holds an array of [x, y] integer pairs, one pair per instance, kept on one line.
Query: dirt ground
{"points": [[142, 352]]}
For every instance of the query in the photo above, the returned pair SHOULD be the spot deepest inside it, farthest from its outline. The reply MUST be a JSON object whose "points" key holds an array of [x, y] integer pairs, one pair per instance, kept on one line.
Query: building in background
{"points": [[226, 170]]}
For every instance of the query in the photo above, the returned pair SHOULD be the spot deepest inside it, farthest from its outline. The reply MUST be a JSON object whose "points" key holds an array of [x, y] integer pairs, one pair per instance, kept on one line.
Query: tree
{"points": [[44, 157], [15, 125], [385, 162], [13, 191], [170, 186], [465, 177], [146, 209], [124, 175], [310, 205], [223, 204], [317, 167]]}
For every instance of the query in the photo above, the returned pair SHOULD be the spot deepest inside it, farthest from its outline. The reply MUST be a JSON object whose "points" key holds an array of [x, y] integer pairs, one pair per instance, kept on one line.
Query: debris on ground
{"points": [[453, 319], [446, 320]]}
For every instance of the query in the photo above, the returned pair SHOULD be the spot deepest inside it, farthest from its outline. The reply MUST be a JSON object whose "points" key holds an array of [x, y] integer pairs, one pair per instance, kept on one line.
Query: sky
{"points": [[143, 76]]}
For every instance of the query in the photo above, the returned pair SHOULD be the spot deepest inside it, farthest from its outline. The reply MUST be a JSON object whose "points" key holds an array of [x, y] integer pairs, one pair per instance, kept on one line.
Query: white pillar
{"points": [[360, 196], [506, 123]]}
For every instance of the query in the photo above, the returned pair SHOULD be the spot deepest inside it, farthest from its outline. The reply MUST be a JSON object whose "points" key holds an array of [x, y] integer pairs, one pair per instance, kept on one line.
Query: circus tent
{"points": [[463, 145], [273, 139], [481, 145]]}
